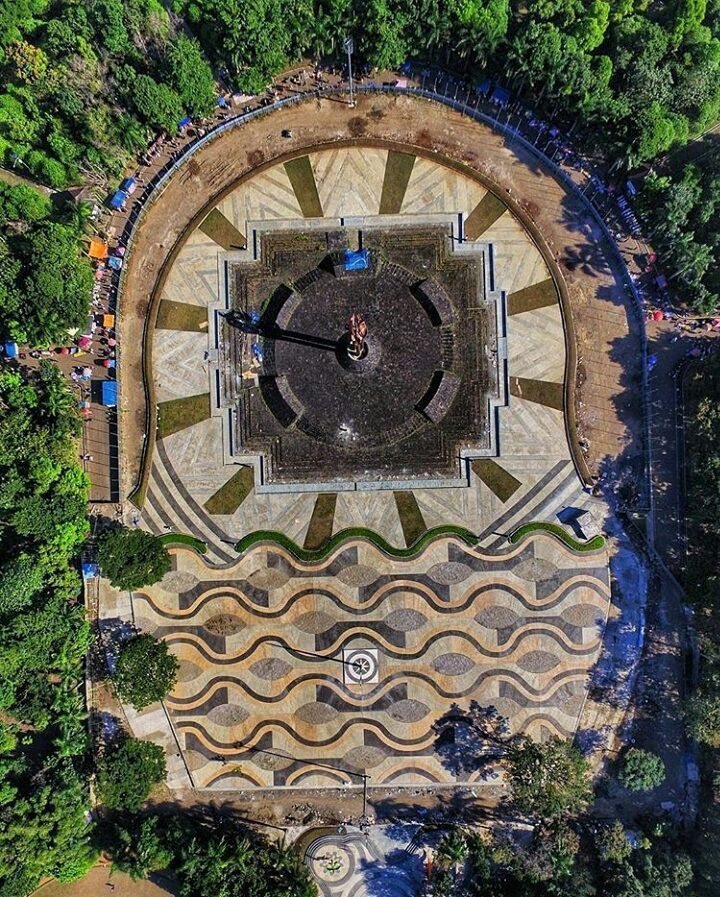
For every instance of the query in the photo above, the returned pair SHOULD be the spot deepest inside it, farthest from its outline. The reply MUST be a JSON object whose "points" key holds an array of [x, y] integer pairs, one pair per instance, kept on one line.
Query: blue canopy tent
{"points": [[500, 96], [90, 570], [484, 87], [109, 392], [11, 349], [184, 123], [118, 200], [357, 260]]}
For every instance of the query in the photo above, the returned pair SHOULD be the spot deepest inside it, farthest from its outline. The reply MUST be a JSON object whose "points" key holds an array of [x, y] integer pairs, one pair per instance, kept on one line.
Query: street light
{"points": [[349, 47]]}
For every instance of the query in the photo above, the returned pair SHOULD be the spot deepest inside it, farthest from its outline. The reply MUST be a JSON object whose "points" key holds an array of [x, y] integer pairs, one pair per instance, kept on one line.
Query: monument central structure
{"points": [[364, 354]]}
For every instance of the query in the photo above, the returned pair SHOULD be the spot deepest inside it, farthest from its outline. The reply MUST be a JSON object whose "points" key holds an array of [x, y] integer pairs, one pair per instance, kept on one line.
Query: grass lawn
{"points": [[232, 494], [397, 175], [411, 518], [182, 316], [485, 213], [542, 392], [538, 295], [498, 480], [223, 232], [177, 414], [303, 183], [321, 523]]}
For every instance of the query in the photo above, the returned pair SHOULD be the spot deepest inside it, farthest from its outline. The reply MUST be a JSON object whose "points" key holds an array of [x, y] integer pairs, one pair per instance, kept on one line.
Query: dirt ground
{"points": [[101, 882], [607, 334]]}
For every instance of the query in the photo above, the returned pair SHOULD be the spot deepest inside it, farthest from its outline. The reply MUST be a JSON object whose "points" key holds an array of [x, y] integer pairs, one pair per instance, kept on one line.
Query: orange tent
{"points": [[98, 249], [108, 320]]}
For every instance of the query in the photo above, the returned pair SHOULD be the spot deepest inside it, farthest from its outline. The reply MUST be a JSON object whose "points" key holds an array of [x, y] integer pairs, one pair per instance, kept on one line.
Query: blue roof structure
{"points": [[357, 260], [11, 349], [109, 392], [500, 96], [118, 199]]}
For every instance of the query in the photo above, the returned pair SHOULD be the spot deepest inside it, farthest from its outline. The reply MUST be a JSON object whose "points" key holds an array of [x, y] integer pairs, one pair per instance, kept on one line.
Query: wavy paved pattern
{"points": [[261, 699]]}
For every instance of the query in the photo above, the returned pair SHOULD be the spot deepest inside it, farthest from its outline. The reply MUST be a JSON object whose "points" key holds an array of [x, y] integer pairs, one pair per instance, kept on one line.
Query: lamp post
{"points": [[349, 47]]}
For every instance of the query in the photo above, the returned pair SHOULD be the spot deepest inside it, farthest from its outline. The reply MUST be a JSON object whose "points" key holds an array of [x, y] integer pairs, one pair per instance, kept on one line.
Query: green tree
{"points": [[157, 104], [641, 770], [132, 559], [702, 717], [127, 773], [139, 848], [190, 75], [548, 779], [612, 842], [145, 671]]}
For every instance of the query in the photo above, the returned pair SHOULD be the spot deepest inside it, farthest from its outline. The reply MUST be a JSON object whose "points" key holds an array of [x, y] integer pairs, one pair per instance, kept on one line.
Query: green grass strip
{"points": [[499, 481], [170, 540], [398, 169], [233, 493], [223, 232], [411, 518], [358, 532], [485, 214], [321, 523], [542, 392], [177, 414], [594, 544]]}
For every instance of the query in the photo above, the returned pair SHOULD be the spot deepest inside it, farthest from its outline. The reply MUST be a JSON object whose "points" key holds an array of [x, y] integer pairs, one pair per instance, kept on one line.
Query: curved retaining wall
{"points": [[155, 189]]}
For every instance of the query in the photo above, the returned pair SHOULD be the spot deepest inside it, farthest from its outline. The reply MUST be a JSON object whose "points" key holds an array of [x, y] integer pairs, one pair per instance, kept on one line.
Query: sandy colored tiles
{"points": [[193, 277], [349, 181], [179, 364], [267, 196], [519, 628], [536, 344], [432, 188]]}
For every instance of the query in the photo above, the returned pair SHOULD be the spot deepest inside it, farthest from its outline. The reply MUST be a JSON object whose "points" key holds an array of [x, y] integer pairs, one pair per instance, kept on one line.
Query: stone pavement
{"points": [[263, 699], [189, 466]]}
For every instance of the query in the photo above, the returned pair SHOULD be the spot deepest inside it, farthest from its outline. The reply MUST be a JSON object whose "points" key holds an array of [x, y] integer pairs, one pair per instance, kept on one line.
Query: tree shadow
{"points": [[472, 739]]}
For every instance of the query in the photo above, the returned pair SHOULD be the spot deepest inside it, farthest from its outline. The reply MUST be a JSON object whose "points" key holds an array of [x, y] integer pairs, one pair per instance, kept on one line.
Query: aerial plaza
{"points": [[358, 449], [372, 403]]}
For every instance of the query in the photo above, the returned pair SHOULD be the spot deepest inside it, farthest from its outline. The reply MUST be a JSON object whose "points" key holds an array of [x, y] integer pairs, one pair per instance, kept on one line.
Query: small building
{"points": [[109, 393]]}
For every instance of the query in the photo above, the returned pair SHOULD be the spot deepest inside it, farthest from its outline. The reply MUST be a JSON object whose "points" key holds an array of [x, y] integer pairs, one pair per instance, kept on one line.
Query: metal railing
{"points": [[155, 188]]}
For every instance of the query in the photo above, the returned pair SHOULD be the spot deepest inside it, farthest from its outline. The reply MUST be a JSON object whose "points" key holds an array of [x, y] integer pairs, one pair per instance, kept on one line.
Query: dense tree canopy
{"points": [[43, 635], [548, 779], [145, 671], [127, 773], [45, 280], [132, 559]]}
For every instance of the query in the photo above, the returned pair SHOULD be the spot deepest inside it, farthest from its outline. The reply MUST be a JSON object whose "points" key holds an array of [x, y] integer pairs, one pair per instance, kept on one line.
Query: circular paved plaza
{"points": [[311, 475]]}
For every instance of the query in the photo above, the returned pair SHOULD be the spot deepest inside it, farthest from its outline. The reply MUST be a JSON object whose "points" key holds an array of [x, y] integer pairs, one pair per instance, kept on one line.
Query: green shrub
{"points": [[128, 772], [145, 671], [641, 770]]}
